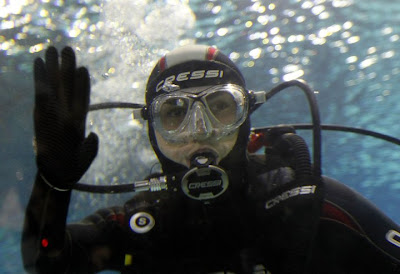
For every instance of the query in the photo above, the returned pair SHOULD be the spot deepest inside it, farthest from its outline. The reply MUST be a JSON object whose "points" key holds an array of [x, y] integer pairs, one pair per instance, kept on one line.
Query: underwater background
{"points": [[347, 50]]}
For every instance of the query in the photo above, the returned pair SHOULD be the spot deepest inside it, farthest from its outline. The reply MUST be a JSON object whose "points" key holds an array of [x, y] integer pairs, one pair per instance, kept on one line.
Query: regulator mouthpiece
{"points": [[204, 181], [203, 159]]}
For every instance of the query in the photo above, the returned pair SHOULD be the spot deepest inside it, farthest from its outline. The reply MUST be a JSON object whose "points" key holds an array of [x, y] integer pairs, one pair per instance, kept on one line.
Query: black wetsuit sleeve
{"points": [[44, 235], [379, 236], [50, 246]]}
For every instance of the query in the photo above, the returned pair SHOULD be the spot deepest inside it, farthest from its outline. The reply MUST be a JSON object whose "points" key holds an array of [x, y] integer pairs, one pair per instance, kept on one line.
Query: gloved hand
{"points": [[62, 94]]}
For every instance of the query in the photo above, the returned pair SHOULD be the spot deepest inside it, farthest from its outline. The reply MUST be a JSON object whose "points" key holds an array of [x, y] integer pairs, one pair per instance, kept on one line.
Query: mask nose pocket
{"points": [[200, 124]]}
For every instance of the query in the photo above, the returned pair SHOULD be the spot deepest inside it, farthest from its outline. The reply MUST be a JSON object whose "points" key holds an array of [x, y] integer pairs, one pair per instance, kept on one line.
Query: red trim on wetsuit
{"points": [[331, 211]]}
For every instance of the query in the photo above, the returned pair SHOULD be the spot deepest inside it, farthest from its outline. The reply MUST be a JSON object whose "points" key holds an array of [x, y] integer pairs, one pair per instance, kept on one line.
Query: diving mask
{"points": [[199, 113]]}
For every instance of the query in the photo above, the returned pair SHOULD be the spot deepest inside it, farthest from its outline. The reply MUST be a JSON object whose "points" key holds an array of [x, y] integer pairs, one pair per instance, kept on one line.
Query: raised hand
{"points": [[62, 95]]}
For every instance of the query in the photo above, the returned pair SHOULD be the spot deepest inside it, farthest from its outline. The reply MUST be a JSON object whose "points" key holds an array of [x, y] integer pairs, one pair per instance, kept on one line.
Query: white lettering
{"points": [[205, 184], [190, 75], [214, 73], [142, 221], [290, 193], [307, 190], [183, 76], [159, 86], [170, 79], [197, 74], [295, 191], [391, 237]]}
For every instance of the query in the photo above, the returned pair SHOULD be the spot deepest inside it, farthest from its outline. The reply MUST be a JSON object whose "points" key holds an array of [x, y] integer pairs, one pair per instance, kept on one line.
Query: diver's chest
{"points": [[205, 227]]}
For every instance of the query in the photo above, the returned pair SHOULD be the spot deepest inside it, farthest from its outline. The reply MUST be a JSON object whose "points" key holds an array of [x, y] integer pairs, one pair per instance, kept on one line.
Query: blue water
{"points": [[348, 51]]}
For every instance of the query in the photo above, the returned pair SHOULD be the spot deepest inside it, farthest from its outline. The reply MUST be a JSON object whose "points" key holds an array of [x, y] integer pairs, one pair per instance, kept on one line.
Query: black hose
{"points": [[105, 189], [361, 131], [316, 123], [303, 166], [110, 105]]}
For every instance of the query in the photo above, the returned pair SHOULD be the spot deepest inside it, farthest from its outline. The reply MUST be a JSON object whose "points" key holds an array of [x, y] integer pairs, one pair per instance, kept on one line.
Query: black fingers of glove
{"points": [[62, 94]]}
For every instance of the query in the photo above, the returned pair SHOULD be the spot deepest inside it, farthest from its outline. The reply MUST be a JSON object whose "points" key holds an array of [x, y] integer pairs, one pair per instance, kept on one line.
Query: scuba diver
{"points": [[217, 206]]}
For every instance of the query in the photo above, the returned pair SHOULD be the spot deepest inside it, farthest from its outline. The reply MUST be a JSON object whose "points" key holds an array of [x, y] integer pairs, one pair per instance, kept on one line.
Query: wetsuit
{"points": [[166, 232]]}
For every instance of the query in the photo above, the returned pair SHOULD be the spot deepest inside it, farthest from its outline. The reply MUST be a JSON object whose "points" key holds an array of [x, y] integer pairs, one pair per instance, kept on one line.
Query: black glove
{"points": [[62, 95]]}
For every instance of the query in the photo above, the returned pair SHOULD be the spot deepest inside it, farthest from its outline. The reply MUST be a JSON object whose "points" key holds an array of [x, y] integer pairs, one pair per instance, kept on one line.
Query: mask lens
{"points": [[223, 106], [199, 112], [173, 112]]}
